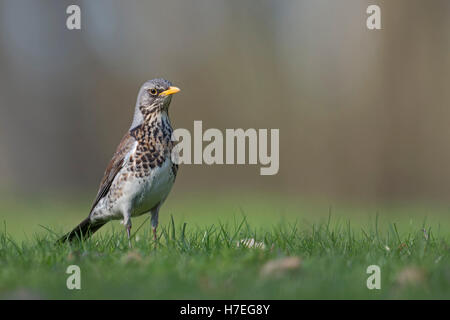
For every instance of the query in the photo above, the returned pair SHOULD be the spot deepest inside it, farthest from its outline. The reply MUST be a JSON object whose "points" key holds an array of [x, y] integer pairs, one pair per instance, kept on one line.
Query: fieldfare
{"points": [[141, 173]]}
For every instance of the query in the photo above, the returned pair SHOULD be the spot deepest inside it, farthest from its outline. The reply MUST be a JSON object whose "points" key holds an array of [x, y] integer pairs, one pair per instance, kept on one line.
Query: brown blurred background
{"points": [[362, 114]]}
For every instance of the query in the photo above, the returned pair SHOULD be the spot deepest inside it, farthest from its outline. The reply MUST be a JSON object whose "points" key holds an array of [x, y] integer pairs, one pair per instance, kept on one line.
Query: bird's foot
{"points": [[155, 237]]}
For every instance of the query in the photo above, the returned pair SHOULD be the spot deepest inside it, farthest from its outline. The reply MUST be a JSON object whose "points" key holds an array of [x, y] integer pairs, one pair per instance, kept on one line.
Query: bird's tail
{"points": [[83, 231]]}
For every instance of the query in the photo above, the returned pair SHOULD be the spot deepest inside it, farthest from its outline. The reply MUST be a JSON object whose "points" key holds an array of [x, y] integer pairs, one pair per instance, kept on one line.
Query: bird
{"points": [[142, 171]]}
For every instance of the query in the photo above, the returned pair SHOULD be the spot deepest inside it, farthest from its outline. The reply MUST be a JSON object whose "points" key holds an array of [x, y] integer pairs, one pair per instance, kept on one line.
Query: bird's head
{"points": [[154, 97]]}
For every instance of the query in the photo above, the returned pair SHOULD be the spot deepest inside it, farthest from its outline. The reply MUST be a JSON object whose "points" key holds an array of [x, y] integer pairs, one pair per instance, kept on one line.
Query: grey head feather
{"points": [[143, 98]]}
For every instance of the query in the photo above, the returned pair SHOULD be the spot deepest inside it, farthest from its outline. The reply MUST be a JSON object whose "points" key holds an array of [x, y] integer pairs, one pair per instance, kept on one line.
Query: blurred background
{"points": [[363, 115]]}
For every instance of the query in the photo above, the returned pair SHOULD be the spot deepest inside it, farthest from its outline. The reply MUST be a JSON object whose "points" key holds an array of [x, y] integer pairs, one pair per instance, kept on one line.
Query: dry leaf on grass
{"points": [[411, 276], [280, 266], [22, 294], [132, 256]]}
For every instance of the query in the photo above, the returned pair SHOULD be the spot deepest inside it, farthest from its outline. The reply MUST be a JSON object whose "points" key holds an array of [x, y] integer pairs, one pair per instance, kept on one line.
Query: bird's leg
{"points": [[154, 222], [127, 223], [128, 234], [155, 237]]}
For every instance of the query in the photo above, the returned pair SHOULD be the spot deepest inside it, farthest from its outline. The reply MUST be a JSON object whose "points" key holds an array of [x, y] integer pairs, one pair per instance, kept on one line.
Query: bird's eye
{"points": [[153, 92]]}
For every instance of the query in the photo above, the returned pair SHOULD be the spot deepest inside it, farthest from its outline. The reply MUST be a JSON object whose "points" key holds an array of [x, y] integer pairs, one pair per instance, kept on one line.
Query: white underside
{"points": [[151, 190], [139, 195]]}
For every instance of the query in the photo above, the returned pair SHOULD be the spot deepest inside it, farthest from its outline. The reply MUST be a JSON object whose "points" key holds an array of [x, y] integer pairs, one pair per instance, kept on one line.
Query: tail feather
{"points": [[83, 231]]}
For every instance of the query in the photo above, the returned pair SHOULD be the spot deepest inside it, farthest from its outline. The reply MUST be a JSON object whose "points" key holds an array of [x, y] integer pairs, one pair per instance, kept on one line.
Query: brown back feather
{"points": [[114, 166]]}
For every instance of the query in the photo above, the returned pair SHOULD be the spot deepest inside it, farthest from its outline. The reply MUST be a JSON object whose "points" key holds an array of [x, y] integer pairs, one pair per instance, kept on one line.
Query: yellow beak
{"points": [[170, 91]]}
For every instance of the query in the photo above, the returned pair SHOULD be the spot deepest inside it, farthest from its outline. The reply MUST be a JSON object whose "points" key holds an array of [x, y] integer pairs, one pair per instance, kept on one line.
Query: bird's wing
{"points": [[120, 158]]}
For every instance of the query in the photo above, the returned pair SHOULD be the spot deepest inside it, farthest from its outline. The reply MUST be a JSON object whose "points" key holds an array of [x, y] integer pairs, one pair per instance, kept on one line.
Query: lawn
{"points": [[233, 247]]}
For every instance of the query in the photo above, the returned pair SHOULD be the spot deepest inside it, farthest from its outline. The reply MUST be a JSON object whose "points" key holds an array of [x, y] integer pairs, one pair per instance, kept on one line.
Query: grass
{"points": [[200, 258]]}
